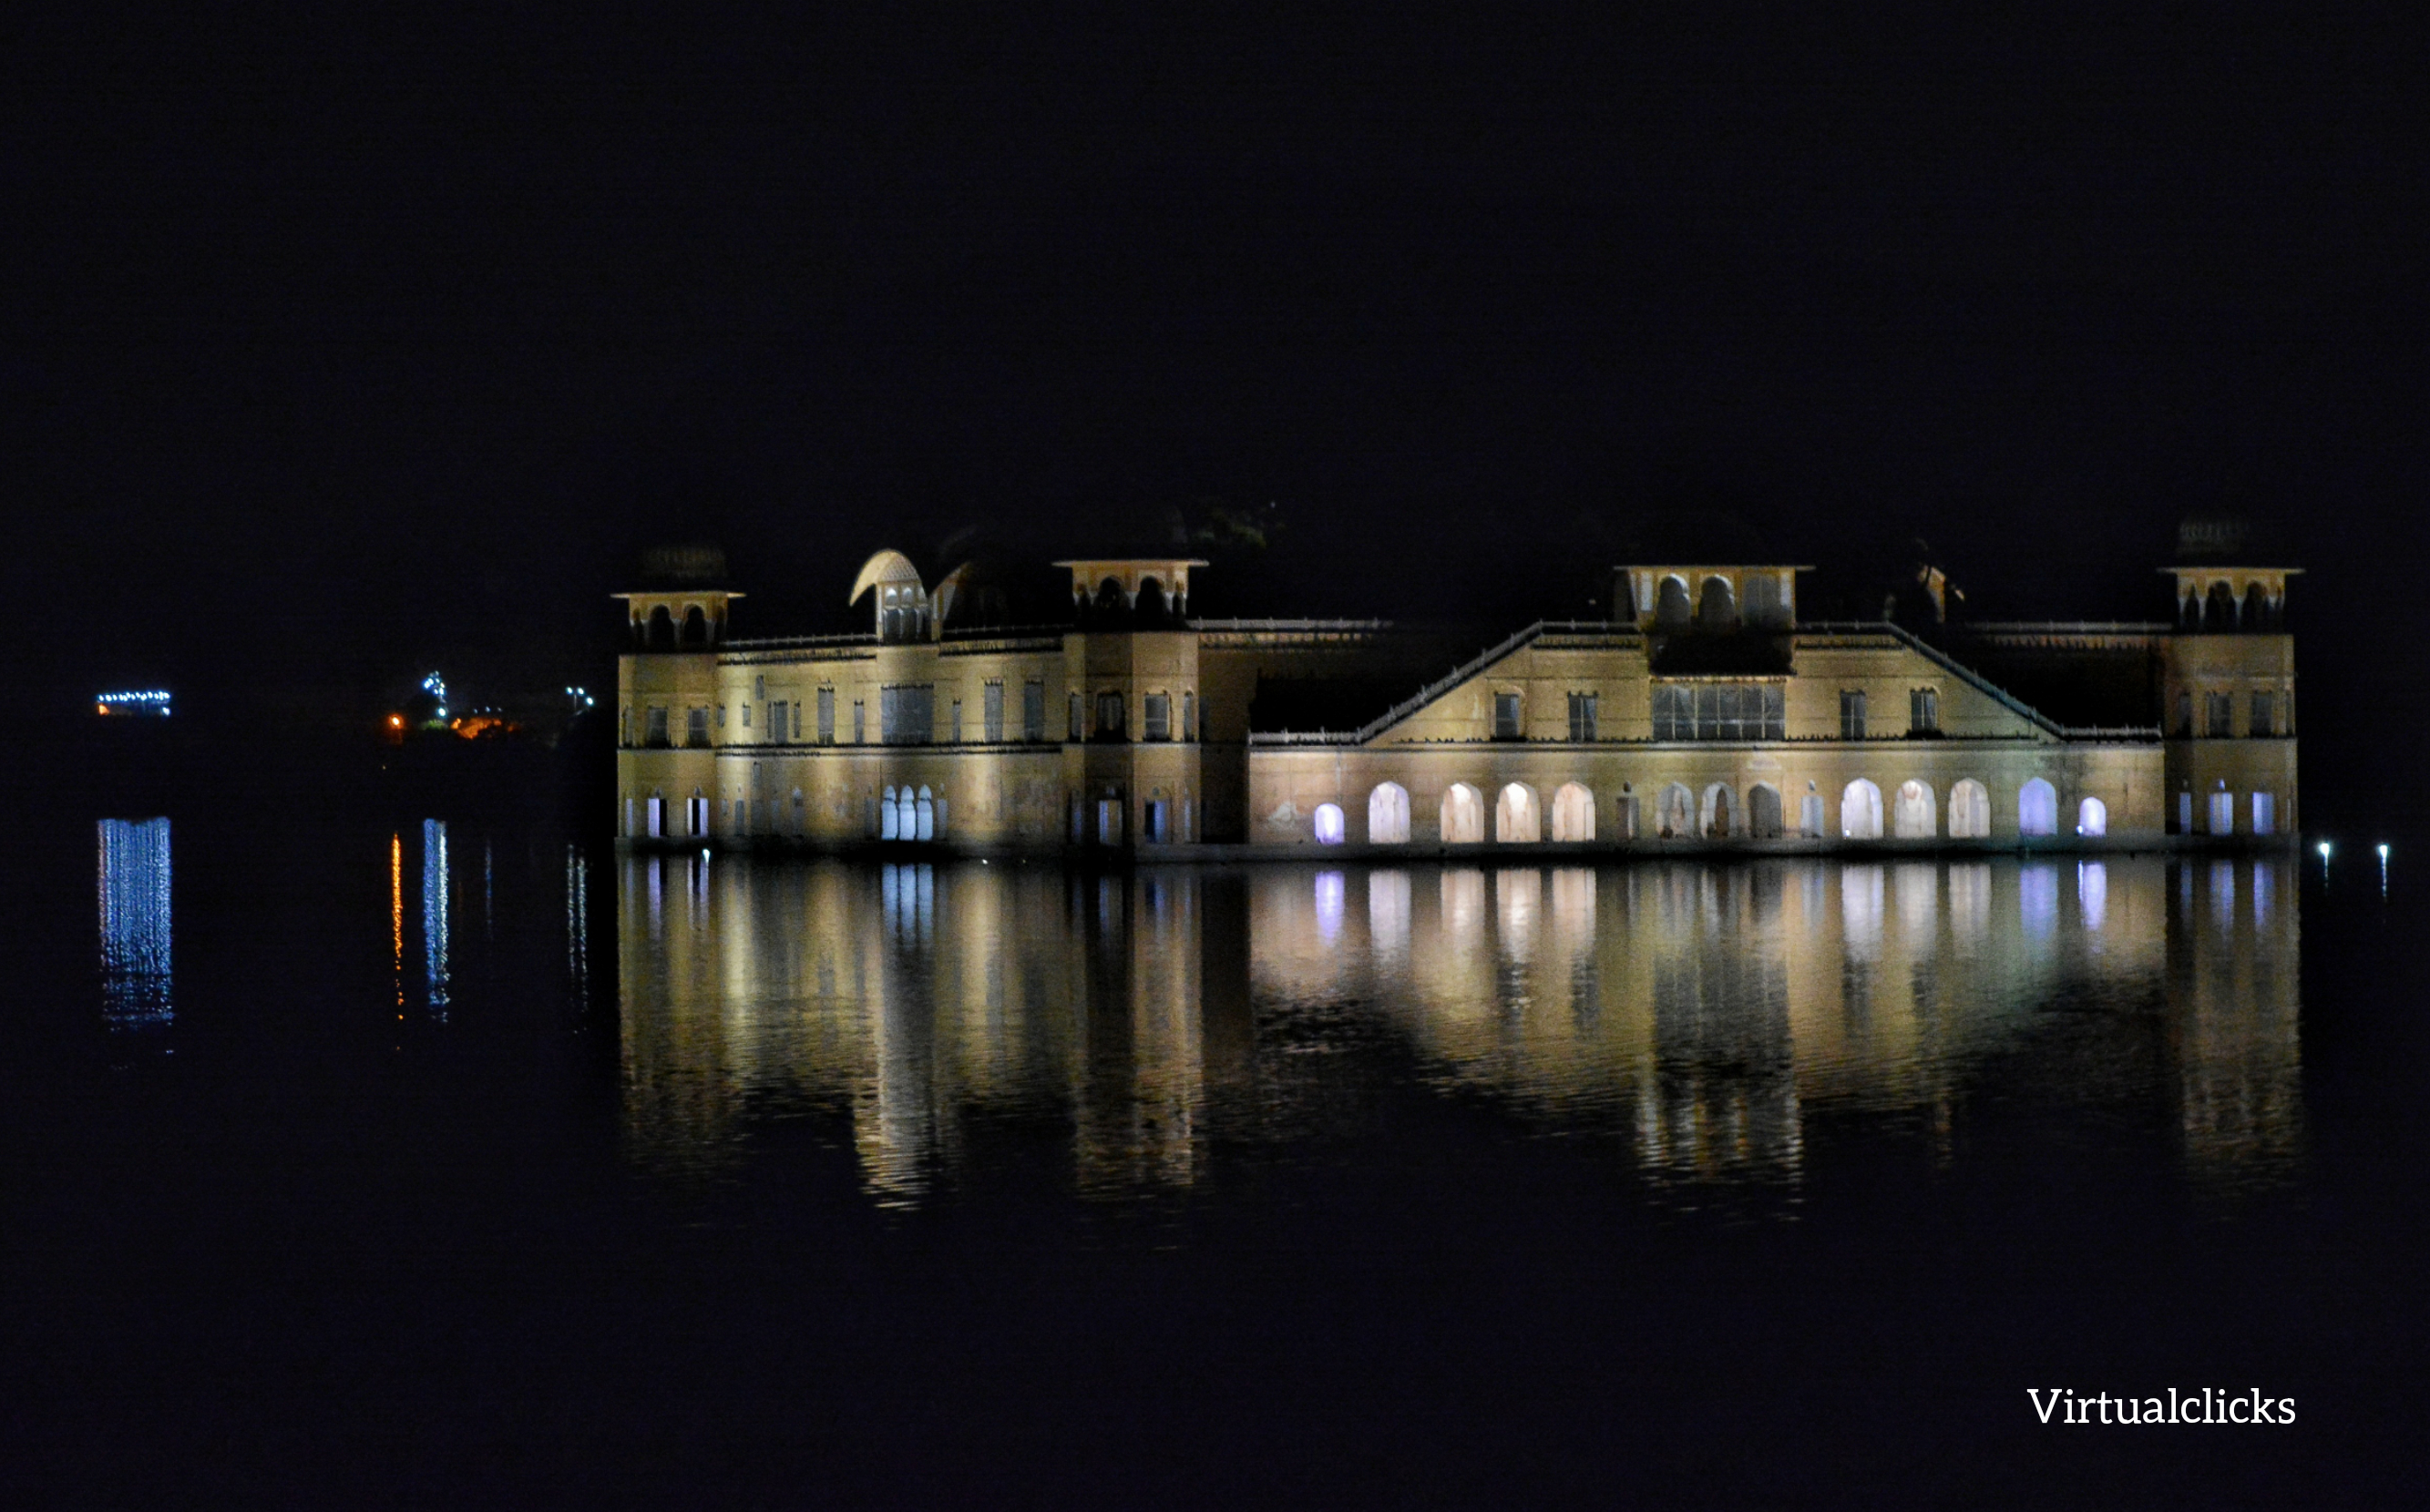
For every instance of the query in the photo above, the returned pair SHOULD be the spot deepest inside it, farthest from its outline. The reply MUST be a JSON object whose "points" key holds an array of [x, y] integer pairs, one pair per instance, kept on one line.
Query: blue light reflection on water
{"points": [[137, 981], [1699, 1019]]}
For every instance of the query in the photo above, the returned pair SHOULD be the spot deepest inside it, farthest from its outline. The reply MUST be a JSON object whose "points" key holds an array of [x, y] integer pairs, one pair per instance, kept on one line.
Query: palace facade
{"points": [[1711, 715]]}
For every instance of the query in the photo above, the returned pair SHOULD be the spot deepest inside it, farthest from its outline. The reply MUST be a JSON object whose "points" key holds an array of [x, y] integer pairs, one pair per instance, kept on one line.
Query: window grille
{"points": [[1924, 711], [1033, 710], [696, 726], [1852, 714], [1158, 717], [2263, 716], [1109, 716], [907, 714], [859, 723], [2219, 715], [780, 720], [1719, 711], [1506, 715], [1582, 716], [827, 716], [1189, 719], [991, 712], [656, 727]]}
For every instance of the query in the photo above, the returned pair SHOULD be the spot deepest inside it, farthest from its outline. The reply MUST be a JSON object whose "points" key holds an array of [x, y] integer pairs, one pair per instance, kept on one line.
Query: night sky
{"points": [[332, 349]]}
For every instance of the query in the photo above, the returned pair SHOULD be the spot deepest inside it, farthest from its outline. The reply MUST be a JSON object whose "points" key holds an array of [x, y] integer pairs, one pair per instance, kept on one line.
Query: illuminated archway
{"points": [[1573, 813], [1388, 815], [1763, 811], [1329, 828], [1970, 810], [1675, 816], [2036, 808], [1719, 811], [1463, 815], [1860, 811], [2092, 816], [1915, 816], [1517, 817]]}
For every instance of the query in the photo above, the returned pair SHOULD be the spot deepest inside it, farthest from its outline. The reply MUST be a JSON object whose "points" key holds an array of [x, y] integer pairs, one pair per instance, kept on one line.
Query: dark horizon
{"points": [[333, 353]]}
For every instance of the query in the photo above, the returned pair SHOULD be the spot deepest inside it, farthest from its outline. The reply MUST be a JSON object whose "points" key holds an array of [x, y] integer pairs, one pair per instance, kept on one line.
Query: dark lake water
{"points": [[403, 1163]]}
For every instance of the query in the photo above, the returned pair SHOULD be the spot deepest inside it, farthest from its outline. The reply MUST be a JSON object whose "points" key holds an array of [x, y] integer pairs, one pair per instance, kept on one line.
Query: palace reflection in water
{"points": [[133, 858], [1705, 1017]]}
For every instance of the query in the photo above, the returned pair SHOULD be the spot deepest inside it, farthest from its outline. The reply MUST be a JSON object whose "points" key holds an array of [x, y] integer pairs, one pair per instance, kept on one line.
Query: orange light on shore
{"points": [[396, 722]]}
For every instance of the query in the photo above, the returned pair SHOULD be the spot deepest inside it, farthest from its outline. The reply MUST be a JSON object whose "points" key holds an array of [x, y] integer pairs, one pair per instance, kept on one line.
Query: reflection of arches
{"points": [[2036, 808], [927, 817], [1970, 810], [886, 816], [801, 826], [1763, 811], [1574, 815], [2219, 608], [1463, 815], [1329, 828], [1860, 811], [1671, 609], [1675, 818], [1715, 610], [2092, 816], [1913, 819], [1719, 811], [1517, 817], [1388, 815]]}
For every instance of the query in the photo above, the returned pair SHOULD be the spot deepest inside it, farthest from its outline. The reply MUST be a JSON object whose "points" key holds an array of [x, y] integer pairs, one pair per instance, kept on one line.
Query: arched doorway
{"points": [[1914, 818], [2036, 808], [1763, 811], [1517, 818], [1716, 608], [1329, 828], [1720, 811], [1388, 815], [1675, 816], [1970, 810], [1671, 608], [1860, 811], [1463, 815], [1574, 815], [2092, 816]]}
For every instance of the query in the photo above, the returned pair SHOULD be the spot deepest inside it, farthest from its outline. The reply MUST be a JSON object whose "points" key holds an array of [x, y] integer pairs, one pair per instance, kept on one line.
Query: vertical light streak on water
{"points": [[2092, 892], [133, 860], [2265, 876], [2037, 900], [434, 914], [489, 894], [577, 923], [1388, 916], [397, 917], [2222, 895], [1329, 892]]}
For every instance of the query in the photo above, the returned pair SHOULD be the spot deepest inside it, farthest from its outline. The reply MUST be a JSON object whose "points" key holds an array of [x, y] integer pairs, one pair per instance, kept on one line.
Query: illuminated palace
{"points": [[1710, 714]]}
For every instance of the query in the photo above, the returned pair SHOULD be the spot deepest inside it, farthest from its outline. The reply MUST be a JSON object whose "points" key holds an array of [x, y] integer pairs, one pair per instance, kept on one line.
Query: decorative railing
{"points": [[1303, 626], [786, 642]]}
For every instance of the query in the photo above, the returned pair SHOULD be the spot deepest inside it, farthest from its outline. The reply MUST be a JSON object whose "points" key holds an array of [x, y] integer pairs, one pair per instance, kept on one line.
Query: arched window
{"points": [[1970, 810], [926, 818], [1675, 818], [1914, 819], [695, 629], [1763, 811], [1388, 815], [1329, 828], [1517, 821], [2257, 608], [1671, 608], [2036, 808], [1573, 813], [662, 629], [1720, 812], [2218, 609], [1715, 610], [906, 814], [1111, 607], [2092, 816], [1463, 815], [1150, 610], [1860, 811], [886, 827]]}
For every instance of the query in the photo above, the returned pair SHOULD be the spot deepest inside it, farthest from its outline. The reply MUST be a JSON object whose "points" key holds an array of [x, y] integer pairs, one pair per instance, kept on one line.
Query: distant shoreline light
{"points": [[144, 700]]}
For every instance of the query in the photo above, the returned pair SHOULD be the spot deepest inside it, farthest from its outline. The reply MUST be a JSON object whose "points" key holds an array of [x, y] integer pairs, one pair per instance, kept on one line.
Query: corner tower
{"points": [[666, 690]]}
